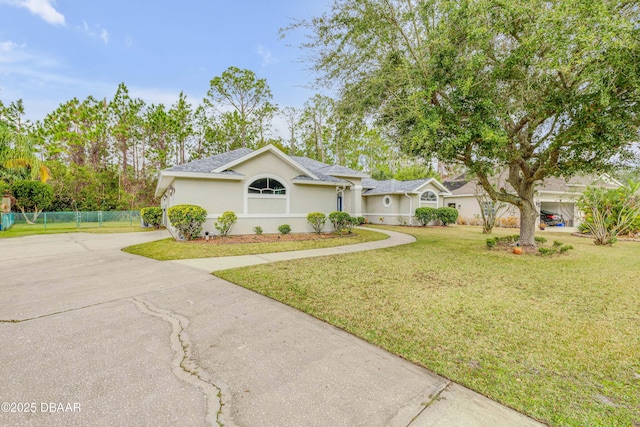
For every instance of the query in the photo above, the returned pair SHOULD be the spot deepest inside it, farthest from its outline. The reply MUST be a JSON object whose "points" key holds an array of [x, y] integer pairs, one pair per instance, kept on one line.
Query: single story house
{"points": [[268, 188], [553, 194]]}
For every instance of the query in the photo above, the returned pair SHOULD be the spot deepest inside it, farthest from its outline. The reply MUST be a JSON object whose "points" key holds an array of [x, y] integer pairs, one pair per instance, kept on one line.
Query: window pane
{"points": [[267, 186], [429, 196]]}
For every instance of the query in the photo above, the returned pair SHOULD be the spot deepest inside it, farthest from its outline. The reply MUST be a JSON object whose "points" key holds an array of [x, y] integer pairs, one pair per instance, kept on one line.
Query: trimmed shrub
{"points": [[361, 220], [340, 221], [447, 215], [152, 216], [426, 215], [284, 229], [225, 222], [187, 219], [317, 221], [257, 229]]}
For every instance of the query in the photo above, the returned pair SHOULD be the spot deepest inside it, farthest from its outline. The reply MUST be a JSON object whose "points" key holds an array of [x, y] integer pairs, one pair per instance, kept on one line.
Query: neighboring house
{"points": [[554, 194], [395, 202], [268, 188]]}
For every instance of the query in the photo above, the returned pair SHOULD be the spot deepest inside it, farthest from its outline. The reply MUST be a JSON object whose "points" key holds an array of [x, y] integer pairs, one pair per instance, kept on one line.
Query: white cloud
{"points": [[267, 57], [104, 35], [42, 8], [94, 31]]}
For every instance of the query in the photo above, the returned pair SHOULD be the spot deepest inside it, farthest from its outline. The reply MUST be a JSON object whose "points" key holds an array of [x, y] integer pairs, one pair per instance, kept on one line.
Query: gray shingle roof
{"points": [[211, 163], [319, 169], [391, 186]]}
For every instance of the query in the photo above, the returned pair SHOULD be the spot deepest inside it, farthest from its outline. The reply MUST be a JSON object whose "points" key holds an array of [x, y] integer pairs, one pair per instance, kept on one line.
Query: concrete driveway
{"points": [[91, 335]]}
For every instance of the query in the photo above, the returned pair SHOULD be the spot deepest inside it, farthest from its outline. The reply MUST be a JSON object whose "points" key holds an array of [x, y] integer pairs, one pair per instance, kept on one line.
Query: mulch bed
{"points": [[266, 238]]}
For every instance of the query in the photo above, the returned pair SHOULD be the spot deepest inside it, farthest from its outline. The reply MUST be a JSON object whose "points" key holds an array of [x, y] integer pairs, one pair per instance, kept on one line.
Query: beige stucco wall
{"points": [[397, 213], [313, 198], [213, 195]]}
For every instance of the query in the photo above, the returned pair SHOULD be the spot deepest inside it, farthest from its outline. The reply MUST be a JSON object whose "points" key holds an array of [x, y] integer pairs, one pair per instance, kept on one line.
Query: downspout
{"points": [[410, 208]]}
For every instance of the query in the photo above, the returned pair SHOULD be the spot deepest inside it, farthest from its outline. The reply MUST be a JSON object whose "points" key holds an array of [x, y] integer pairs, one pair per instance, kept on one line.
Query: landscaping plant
{"points": [[426, 215], [317, 221], [187, 219], [152, 216], [225, 222], [340, 220], [257, 229], [610, 212], [447, 215], [284, 229]]}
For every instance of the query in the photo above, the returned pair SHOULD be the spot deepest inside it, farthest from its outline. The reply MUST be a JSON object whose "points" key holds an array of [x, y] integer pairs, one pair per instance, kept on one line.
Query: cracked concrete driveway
{"points": [[95, 336]]}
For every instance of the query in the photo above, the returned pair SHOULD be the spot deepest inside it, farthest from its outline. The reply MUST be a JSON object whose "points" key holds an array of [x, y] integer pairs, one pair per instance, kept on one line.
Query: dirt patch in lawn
{"points": [[266, 238]]}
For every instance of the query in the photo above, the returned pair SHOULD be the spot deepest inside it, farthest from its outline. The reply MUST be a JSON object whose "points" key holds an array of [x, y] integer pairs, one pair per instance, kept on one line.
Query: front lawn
{"points": [[18, 230], [168, 249], [557, 338]]}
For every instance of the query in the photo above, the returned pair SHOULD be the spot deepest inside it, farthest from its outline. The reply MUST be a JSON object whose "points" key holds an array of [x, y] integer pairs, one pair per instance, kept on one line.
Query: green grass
{"points": [[167, 249], [18, 230], [557, 338]]}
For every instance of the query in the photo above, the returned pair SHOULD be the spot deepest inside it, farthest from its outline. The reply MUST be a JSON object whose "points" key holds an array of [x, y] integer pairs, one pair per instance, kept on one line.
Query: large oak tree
{"points": [[536, 88]]}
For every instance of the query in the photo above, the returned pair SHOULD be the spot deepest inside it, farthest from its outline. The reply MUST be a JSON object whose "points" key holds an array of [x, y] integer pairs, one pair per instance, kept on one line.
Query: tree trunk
{"points": [[528, 219]]}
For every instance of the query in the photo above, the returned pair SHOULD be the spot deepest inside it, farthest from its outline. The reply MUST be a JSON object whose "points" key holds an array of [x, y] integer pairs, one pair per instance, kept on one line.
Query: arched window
{"points": [[267, 186], [429, 196]]}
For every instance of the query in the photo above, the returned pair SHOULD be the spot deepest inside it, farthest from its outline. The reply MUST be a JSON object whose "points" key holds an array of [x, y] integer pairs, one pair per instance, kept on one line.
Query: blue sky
{"points": [[54, 50]]}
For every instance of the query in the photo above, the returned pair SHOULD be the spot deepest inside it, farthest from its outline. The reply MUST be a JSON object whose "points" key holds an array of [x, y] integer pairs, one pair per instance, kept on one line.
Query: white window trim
{"points": [[384, 201], [248, 196]]}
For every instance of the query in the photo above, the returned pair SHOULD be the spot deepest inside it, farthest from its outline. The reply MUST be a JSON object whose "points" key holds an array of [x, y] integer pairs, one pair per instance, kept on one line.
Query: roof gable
{"points": [[266, 148]]}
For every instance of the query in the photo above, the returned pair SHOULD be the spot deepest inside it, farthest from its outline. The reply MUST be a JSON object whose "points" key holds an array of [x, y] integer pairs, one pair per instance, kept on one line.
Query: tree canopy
{"points": [[536, 88]]}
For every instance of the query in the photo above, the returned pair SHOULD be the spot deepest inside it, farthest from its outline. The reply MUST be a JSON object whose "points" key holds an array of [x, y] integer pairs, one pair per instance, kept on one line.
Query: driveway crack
{"points": [[433, 399], [184, 365]]}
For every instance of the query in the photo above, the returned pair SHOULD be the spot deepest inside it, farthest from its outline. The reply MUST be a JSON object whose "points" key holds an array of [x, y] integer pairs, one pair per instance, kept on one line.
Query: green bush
{"points": [[426, 215], [447, 215], [360, 220], [257, 229], [284, 229], [340, 221], [225, 222], [187, 219], [152, 216], [32, 196], [317, 221]]}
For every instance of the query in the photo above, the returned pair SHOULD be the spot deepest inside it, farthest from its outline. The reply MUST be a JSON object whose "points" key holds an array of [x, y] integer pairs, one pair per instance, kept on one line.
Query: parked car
{"points": [[551, 218]]}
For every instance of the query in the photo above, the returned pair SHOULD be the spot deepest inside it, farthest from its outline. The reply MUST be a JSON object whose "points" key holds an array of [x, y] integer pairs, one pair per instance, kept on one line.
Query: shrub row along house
{"points": [[268, 188]]}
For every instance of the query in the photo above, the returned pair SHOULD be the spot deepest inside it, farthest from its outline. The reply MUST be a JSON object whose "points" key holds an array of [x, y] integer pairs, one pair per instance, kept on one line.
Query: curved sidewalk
{"points": [[224, 263]]}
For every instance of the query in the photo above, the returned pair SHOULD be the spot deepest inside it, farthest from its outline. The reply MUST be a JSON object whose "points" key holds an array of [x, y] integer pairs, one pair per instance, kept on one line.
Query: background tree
{"points": [[536, 88], [125, 129], [181, 117], [18, 138], [244, 102]]}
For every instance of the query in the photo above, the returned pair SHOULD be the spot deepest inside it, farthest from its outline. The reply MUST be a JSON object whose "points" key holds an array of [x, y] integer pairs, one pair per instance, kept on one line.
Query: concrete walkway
{"points": [[223, 263], [96, 336]]}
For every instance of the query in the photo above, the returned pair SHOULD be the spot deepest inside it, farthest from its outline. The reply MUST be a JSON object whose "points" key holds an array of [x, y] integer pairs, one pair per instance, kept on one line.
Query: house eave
{"points": [[327, 183]]}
